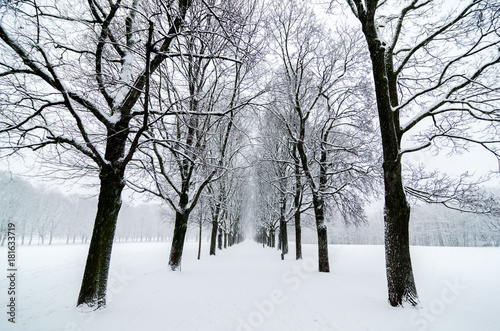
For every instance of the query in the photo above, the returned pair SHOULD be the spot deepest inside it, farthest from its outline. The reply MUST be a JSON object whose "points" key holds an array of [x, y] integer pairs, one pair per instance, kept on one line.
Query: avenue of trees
{"points": [[253, 114]]}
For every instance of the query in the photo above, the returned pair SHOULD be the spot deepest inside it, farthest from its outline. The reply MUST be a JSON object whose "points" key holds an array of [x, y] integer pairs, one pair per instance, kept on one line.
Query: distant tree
{"points": [[200, 220], [275, 170], [11, 200], [271, 176], [324, 104]]}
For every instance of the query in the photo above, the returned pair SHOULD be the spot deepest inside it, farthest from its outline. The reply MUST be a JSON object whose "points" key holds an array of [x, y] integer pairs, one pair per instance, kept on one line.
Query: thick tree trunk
{"points": [[215, 229], [400, 282], [213, 237], [318, 203], [279, 238], [219, 239], [95, 277], [323, 262], [181, 220], [298, 236], [296, 204], [283, 237]]}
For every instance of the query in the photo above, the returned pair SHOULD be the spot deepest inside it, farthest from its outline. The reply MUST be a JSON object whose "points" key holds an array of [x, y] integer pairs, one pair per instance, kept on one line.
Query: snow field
{"points": [[247, 287]]}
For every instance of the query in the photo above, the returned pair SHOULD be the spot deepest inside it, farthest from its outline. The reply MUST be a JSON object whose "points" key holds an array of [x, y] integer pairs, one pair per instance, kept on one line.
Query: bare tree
{"points": [[203, 90], [326, 114], [267, 205], [434, 75], [224, 204], [79, 94]]}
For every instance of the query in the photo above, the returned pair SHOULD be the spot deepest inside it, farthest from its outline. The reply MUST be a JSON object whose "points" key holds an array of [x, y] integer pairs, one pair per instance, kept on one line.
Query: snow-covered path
{"points": [[248, 287]]}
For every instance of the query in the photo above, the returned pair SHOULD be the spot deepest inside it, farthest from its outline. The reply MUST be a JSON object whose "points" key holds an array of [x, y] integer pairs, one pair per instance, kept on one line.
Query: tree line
{"points": [[44, 216], [264, 110]]}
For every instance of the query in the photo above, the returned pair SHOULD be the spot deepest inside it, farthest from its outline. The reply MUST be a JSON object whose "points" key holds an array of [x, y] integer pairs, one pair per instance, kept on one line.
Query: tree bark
{"points": [[318, 204], [400, 282], [283, 237], [323, 261], [215, 229], [298, 237], [178, 238], [296, 204], [213, 237], [95, 277], [219, 239], [199, 237]]}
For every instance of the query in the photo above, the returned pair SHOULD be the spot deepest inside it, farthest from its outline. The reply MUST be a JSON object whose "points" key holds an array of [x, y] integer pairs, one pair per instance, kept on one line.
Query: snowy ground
{"points": [[247, 287]]}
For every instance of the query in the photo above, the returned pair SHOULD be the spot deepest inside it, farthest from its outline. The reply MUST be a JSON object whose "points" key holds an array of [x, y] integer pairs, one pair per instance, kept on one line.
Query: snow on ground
{"points": [[248, 287]]}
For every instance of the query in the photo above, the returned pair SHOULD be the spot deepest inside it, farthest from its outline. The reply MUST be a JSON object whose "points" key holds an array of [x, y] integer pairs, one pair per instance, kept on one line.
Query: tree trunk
{"points": [[296, 204], [285, 238], [95, 277], [279, 238], [219, 239], [199, 238], [181, 220], [323, 261], [298, 237], [400, 282], [215, 228], [213, 237], [318, 202]]}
